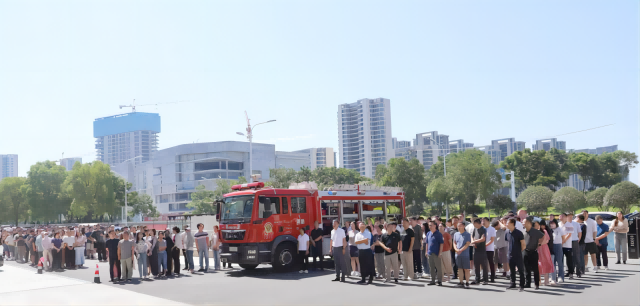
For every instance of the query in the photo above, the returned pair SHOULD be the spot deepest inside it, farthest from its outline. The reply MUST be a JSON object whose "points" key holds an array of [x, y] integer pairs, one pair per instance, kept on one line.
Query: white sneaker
{"points": [[300, 271], [306, 271], [353, 273], [606, 268], [586, 269]]}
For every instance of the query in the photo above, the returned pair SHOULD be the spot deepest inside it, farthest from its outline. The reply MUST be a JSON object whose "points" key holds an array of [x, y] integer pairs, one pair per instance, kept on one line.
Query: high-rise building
{"points": [[429, 146], [597, 151], [8, 165], [399, 144], [459, 145], [69, 162], [319, 157], [364, 135], [126, 136], [507, 146], [494, 154], [547, 144]]}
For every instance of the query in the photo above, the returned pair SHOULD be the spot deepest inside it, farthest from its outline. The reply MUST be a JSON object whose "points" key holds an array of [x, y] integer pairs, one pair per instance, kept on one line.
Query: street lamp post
{"points": [[445, 175], [126, 191], [250, 137]]}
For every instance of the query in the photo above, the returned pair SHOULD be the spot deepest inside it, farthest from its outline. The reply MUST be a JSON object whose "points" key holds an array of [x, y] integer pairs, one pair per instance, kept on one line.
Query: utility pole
{"points": [[250, 138]]}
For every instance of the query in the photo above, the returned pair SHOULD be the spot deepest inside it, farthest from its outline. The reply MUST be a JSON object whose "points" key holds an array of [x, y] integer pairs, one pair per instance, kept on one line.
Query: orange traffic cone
{"points": [[40, 266], [96, 278]]}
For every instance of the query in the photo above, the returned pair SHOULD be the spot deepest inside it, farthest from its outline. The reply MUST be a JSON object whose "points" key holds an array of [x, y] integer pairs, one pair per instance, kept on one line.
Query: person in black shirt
{"points": [[581, 243], [391, 242], [407, 250], [316, 245], [532, 239], [99, 242], [378, 251], [170, 244], [112, 251], [515, 240]]}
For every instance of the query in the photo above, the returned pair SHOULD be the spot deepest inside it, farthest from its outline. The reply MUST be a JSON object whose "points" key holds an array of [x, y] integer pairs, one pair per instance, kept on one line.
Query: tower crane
{"points": [[133, 105]]}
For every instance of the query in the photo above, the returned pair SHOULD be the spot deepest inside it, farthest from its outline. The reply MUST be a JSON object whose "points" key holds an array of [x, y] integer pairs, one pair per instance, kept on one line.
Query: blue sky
{"points": [[476, 70]]}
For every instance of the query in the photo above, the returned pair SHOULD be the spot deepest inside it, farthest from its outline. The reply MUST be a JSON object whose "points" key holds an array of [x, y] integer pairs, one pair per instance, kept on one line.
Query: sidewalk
{"points": [[23, 286]]}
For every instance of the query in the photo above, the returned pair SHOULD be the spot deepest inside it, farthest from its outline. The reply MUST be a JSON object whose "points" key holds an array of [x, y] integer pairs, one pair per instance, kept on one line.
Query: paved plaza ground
{"points": [[21, 285]]}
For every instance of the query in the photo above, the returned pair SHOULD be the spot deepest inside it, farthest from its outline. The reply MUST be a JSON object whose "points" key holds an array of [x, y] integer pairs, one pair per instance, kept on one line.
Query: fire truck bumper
{"points": [[245, 253]]}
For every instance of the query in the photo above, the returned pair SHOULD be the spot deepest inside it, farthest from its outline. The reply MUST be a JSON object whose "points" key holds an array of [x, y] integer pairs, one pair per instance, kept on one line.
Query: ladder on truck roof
{"points": [[345, 187]]}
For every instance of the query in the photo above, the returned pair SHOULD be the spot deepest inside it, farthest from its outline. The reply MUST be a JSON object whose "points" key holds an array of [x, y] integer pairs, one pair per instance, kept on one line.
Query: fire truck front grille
{"points": [[233, 235]]}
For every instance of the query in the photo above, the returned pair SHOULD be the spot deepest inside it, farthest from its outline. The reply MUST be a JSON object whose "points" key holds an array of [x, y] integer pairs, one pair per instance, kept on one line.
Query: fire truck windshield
{"points": [[237, 209]]}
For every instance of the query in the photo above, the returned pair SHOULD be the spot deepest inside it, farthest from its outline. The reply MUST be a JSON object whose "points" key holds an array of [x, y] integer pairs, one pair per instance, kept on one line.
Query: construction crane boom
{"points": [[133, 105]]}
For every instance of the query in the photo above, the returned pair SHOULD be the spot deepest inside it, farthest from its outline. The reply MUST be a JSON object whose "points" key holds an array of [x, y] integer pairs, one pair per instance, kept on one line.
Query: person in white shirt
{"points": [[469, 229], [215, 247], [178, 240], [69, 252], [365, 254], [303, 250], [490, 246], [575, 243], [590, 241], [337, 249], [567, 245]]}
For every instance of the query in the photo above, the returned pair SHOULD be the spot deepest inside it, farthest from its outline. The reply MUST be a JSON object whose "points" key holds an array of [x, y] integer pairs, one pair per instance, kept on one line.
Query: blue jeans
{"points": [[162, 261], [142, 264], [204, 254], [557, 258], [216, 259], [190, 259]]}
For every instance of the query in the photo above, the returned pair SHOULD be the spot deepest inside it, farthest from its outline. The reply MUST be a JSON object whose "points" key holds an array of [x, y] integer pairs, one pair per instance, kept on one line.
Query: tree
{"points": [[409, 175], [93, 189], [203, 201], [304, 175], [536, 199], [471, 176], [281, 177], [142, 204], [499, 203], [329, 176], [586, 166], [623, 196], [568, 199], [608, 172], [596, 198], [474, 210], [415, 209], [13, 205], [627, 160], [539, 168], [44, 191]]}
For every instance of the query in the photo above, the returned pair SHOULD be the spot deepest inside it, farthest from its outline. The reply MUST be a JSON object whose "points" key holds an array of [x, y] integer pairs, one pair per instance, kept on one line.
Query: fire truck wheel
{"points": [[248, 267], [284, 257]]}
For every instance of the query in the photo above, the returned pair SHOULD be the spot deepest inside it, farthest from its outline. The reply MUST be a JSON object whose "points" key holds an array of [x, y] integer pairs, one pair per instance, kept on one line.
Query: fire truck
{"points": [[260, 225]]}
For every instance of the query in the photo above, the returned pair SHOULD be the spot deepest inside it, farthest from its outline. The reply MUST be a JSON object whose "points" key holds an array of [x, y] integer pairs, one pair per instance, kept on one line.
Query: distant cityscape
{"points": [[129, 144]]}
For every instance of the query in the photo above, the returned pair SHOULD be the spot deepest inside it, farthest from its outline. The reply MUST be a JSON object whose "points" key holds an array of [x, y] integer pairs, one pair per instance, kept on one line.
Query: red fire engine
{"points": [[260, 225]]}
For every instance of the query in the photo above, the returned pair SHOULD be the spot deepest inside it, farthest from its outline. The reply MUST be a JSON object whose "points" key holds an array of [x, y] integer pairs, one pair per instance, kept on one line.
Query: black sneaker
{"points": [[337, 279], [475, 283], [537, 287], [201, 270], [431, 284], [396, 280], [527, 285], [617, 262], [624, 262], [439, 283], [484, 283], [460, 285], [521, 289], [467, 285], [512, 287]]}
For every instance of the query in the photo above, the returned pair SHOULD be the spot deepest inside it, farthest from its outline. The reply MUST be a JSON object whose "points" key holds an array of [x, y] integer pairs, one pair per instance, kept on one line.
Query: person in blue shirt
{"points": [[434, 246], [516, 244], [462, 240], [602, 243]]}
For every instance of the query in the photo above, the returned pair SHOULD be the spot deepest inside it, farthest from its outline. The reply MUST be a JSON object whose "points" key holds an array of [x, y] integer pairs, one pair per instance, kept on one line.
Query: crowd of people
{"points": [[156, 253], [509, 246]]}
